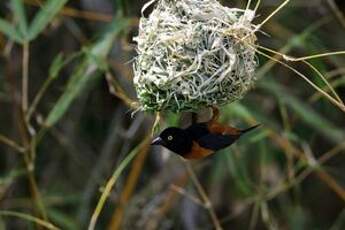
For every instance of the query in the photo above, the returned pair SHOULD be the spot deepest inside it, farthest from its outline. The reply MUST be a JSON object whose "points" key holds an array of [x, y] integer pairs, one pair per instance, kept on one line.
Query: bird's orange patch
{"points": [[198, 152], [217, 128]]}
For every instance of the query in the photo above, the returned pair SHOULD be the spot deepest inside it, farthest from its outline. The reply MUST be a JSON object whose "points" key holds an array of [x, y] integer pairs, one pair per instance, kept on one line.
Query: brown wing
{"points": [[217, 128]]}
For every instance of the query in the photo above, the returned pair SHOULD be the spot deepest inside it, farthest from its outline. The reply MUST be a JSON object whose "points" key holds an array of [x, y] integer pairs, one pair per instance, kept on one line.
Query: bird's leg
{"points": [[215, 114]]}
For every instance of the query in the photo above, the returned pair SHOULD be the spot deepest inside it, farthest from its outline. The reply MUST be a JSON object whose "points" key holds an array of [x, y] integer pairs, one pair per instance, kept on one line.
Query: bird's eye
{"points": [[170, 138]]}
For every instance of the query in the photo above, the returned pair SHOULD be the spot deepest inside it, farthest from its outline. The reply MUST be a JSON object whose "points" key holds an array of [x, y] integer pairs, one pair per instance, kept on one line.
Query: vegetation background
{"points": [[66, 99]]}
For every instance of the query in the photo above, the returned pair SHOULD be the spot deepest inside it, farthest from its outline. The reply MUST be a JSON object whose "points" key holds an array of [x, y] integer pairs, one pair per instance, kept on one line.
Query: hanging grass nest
{"points": [[194, 53]]}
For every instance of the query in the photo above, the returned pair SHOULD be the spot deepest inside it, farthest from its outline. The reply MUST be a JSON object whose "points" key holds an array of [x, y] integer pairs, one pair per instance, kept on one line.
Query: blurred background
{"points": [[67, 123]]}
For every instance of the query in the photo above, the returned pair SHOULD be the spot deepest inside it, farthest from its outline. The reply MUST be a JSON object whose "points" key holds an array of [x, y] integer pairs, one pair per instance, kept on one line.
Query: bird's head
{"points": [[174, 139]]}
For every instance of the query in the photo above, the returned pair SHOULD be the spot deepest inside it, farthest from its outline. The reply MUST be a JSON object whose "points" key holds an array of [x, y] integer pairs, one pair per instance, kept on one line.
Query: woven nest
{"points": [[194, 53]]}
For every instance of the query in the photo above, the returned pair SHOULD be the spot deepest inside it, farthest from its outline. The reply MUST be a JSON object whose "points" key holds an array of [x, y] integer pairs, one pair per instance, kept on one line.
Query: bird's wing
{"points": [[217, 128], [197, 130], [216, 141]]}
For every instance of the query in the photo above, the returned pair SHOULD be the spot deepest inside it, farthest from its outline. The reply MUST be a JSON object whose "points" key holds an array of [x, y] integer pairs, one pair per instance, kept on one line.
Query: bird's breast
{"points": [[197, 152]]}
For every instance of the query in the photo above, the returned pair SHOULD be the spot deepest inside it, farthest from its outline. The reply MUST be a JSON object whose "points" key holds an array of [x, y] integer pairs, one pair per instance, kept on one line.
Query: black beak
{"points": [[157, 141]]}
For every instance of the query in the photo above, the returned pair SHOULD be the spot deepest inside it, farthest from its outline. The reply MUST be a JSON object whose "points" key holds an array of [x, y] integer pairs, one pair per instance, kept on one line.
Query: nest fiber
{"points": [[194, 53]]}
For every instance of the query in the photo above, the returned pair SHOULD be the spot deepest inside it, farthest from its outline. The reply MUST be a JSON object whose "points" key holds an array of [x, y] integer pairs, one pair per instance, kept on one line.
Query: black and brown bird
{"points": [[200, 139]]}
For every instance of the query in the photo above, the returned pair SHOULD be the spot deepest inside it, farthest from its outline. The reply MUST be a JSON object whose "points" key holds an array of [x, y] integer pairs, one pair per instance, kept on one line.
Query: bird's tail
{"points": [[250, 128]]}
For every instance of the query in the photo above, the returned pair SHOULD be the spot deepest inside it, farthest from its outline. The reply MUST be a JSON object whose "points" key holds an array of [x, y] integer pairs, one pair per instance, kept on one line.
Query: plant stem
{"points": [[25, 77], [24, 129], [11, 143], [203, 195]]}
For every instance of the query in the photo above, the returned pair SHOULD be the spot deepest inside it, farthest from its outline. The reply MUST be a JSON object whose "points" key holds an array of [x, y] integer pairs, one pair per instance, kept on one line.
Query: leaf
{"points": [[19, 14], [305, 112], [2, 224], [113, 179], [11, 176], [238, 172], [60, 61], [56, 66], [10, 31], [62, 219], [82, 75], [44, 17], [85, 72]]}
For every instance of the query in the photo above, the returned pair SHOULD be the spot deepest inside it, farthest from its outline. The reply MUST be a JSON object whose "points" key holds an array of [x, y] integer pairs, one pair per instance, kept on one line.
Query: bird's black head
{"points": [[174, 139]]}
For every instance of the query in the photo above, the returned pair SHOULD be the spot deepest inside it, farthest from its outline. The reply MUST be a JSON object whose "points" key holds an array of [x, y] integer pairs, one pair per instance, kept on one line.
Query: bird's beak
{"points": [[157, 141]]}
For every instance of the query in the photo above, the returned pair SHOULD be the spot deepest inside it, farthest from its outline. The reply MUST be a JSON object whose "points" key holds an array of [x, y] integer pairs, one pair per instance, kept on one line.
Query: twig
{"points": [[11, 143], [30, 146], [116, 90], [71, 12], [27, 217], [324, 80], [258, 27], [183, 192], [46, 84], [255, 214], [301, 38], [203, 195], [111, 182], [272, 14], [325, 177], [340, 16], [330, 98], [37, 98], [288, 183], [131, 182], [313, 56], [169, 200], [25, 77]]}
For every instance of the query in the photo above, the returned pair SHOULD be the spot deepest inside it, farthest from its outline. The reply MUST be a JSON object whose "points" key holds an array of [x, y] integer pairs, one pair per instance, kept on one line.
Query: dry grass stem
{"points": [[203, 195], [25, 77], [11, 144], [340, 16], [129, 187], [71, 12], [39, 222], [111, 182], [325, 94]]}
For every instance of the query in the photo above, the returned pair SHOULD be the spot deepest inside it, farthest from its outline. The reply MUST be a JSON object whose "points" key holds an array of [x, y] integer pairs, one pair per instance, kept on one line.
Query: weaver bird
{"points": [[200, 139]]}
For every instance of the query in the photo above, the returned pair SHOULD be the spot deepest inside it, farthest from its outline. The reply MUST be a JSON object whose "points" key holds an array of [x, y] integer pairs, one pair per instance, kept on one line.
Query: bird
{"points": [[200, 140]]}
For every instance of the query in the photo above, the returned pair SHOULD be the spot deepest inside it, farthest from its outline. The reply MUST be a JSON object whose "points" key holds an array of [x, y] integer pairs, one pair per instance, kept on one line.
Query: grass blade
{"points": [[20, 16], [28, 218], [9, 30], [45, 16], [111, 182], [309, 116], [85, 72]]}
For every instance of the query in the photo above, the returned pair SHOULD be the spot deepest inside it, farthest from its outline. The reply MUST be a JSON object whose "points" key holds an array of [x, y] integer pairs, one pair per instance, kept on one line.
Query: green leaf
{"points": [[10, 31], [45, 16], [87, 71], [62, 219], [305, 112], [81, 76], [56, 66], [20, 16], [11, 176], [113, 179], [60, 61], [2, 224], [238, 173]]}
